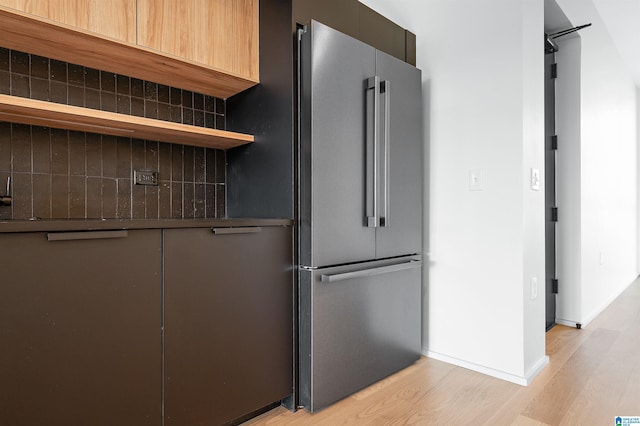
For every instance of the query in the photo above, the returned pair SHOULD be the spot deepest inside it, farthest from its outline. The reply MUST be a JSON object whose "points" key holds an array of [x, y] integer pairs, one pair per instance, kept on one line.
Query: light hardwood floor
{"points": [[593, 376]]}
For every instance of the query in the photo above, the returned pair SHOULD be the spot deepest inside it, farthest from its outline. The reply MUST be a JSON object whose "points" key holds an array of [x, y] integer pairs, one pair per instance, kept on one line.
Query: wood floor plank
{"points": [[385, 383], [554, 400], [398, 397], [526, 421], [625, 308], [629, 403], [562, 342], [612, 381], [464, 397]]}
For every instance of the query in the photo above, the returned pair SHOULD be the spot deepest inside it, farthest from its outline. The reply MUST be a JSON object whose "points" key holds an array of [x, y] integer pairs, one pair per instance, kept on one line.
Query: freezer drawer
{"points": [[359, 324]]}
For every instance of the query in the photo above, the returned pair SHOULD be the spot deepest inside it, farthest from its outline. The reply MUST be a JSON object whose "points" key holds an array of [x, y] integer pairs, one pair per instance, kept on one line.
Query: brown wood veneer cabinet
{"points": [[112, 18], [222, 34], [209, 47]]}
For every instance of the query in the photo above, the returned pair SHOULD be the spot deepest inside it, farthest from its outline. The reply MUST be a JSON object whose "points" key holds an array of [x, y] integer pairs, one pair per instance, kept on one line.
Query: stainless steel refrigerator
{"points": [[360, 215]]}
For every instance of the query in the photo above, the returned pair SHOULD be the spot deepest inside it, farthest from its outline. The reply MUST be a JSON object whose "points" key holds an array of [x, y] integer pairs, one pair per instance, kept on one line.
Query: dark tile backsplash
{"points": [[72, 175], [64, 174]]}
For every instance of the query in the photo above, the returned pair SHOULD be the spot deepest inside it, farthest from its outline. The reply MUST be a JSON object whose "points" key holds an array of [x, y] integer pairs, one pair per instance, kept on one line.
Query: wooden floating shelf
{"points": [[29, 111], [32, 34]]}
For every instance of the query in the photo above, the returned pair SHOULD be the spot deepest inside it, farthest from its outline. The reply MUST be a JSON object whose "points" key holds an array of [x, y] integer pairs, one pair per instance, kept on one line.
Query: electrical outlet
{"points": [[534, 288], [145, 177]]}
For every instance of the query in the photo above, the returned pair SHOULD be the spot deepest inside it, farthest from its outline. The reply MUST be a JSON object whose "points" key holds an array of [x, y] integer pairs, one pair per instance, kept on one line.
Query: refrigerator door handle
{"points": [[385, 90], [330, 278], [371, 177]]}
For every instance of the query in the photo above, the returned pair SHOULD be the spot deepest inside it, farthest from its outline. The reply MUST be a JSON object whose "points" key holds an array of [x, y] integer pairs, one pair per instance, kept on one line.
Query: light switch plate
{"points": [[535, 179], [534, 288], [475, 180]]}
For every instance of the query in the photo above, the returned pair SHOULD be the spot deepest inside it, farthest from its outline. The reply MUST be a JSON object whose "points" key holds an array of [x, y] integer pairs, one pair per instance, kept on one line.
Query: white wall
{"points": [[533, 136], [482, 66], [608, 186]]}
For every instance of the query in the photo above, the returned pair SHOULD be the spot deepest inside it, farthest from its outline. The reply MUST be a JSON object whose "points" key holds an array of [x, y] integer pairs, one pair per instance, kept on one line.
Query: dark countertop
{"points": [[61, 225]]}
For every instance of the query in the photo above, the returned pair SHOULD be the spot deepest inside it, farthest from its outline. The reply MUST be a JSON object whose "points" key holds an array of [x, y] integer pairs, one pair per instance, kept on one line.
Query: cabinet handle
{"points": [[94, 235], [241, 230]]}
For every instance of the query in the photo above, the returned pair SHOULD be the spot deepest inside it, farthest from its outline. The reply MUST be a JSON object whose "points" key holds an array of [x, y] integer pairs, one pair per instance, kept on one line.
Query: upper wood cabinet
{"points": [[112, 18], [219, 33], [207, 46]]}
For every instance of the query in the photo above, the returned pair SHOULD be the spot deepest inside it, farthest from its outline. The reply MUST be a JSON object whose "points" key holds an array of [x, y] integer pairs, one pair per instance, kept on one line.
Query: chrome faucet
{"points": [[5, 200]]}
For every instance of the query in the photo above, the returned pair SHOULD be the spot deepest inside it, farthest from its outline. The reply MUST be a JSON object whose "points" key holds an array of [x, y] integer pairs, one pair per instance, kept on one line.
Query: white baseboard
{"points": [[537, 368], [568, 323], [586, 320], [519, 380]]}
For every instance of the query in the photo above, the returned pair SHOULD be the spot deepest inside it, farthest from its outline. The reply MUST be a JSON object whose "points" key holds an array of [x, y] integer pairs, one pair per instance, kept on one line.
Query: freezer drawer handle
{"points": [[239, 230], [330, 278], [84, 235]]}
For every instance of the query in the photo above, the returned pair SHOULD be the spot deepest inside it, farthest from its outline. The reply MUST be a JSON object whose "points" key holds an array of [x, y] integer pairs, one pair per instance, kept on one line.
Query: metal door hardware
{"points": [[385, 90], [378, 179], [373, 83], [329, 278]]}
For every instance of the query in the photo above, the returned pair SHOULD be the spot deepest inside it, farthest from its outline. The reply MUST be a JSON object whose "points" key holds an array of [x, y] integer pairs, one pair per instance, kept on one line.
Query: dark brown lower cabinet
{"points": [[81, 317], [80, 328], [228, 322]]}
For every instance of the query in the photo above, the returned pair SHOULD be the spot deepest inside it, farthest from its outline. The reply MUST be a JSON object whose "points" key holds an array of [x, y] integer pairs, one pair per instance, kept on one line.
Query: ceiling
{"points": [[622, 19], [554, 18]]}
